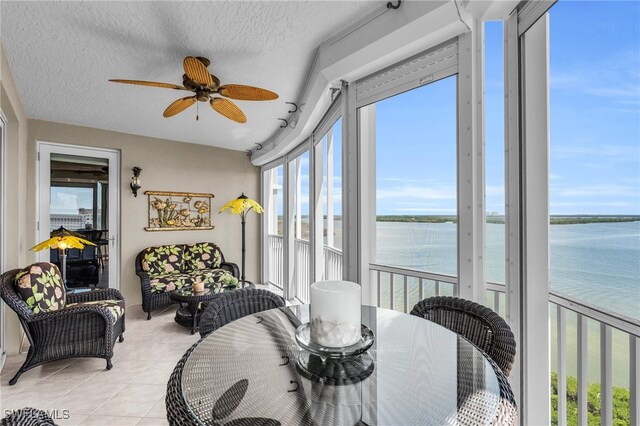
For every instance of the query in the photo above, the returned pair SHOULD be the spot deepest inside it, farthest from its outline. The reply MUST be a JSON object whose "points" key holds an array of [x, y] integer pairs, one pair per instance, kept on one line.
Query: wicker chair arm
{"points": [[231, 267], [73, 314], [75, 326], [145, 279], [94, 295]]}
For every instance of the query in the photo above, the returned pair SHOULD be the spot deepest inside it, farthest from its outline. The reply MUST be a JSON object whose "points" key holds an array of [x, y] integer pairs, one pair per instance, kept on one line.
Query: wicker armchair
{"points": [[27, 417], [237, 304], [83, 330], [177, 411], [477, 323]]}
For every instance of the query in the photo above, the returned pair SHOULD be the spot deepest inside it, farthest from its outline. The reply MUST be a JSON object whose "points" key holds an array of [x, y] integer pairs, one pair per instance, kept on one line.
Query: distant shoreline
{"points": [[498, 219]]}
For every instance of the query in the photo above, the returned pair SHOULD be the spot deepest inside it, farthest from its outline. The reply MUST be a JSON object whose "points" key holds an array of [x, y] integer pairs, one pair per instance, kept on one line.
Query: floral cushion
{"points": [[169, 282], [115, 307], [209, 276], [202, 256], [40, 286], [161, 260]]}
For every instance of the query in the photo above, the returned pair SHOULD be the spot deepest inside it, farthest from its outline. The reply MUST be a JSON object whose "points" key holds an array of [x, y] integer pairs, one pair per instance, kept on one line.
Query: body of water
{"points": [[598, 263]]}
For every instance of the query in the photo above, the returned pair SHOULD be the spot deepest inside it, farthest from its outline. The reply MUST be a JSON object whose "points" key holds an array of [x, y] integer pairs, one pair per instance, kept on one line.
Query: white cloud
{"points": [[442, 192], [605, 190], [424, 210]]}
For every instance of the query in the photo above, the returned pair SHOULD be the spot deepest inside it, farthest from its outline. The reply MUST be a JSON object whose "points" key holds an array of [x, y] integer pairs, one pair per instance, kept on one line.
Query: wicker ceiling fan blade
{"points": [[179, 106], [228, 109], [197, 71], [150, 84], [247, 93]]}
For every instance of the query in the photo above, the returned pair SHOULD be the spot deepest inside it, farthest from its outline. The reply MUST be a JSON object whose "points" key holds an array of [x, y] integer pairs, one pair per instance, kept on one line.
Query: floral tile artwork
{"points": [[171, 211]]}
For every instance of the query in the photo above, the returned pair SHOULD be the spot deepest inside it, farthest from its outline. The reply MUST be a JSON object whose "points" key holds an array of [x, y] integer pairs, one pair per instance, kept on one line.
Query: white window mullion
{"points": [[471, 212], [535, 383], [512, 192], [288, 241], [298, 205], [330, 210], [317, 213]]}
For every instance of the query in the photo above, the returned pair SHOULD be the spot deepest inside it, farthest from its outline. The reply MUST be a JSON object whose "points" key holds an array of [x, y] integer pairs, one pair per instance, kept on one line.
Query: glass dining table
{"points": [[416, 373]]}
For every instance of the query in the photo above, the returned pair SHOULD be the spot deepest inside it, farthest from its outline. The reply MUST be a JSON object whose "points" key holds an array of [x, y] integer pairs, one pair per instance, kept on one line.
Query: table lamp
{"points": [[241, 206], [63, 239]]}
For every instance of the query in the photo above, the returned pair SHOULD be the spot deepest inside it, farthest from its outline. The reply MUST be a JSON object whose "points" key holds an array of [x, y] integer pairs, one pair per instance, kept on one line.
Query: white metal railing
{"points": [[276, 257], [332, 263], [589, 319], [592, 317], [301, 271], [400, 288]]}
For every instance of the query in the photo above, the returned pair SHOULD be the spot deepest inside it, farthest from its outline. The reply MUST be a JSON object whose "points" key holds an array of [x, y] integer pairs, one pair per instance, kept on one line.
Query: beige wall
{"points": [[166, 166], [15, 184]]}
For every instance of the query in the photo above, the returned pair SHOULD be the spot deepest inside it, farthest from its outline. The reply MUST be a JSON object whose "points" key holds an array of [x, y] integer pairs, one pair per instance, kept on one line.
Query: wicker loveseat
{"points": [[61, 324], [163, 269]]}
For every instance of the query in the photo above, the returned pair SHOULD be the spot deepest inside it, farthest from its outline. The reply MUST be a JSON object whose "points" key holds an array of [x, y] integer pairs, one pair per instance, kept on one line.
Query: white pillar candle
{"points": [[335, 313]]}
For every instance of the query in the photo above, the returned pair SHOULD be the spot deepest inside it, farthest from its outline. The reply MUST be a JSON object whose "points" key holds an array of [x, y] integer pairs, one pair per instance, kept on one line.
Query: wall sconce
{"points": [[135, 180]]}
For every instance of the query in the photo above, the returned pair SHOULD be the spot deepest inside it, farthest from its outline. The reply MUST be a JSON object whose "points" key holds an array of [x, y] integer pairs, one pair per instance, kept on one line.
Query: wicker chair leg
{"points": [[109, 365], [121, 338], [17, 376], [148, 315]]}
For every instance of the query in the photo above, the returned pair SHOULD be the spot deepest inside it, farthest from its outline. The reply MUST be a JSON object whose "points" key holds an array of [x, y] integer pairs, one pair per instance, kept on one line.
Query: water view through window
{"points": [[595, 153]]}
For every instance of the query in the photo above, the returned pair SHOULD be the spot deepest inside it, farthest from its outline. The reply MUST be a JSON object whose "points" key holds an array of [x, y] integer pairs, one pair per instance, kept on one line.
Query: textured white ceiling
{"points": [[62, 54]]}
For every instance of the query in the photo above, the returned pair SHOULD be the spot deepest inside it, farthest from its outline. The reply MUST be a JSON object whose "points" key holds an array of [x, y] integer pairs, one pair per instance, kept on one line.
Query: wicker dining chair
{"points": [[84, 327], [27, 417], [472, 406], [236, 304], [477, 323], [178, 413]]}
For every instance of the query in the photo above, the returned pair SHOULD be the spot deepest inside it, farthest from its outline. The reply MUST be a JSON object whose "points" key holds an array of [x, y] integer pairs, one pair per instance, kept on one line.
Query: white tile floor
{"points": [[83, 391]]}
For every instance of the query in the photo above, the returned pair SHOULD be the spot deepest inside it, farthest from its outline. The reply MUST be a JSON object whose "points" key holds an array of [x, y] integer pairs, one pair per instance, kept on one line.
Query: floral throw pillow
{"points": [[40, 286], [162, 260], [203, 256]]}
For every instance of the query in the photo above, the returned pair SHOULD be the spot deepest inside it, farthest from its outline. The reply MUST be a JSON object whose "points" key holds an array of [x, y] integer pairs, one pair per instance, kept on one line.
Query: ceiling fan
{"points": [[205, 86]]}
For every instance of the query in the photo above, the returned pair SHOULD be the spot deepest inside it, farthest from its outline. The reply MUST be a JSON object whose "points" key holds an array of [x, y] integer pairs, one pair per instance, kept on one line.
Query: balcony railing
{"points": [[400, 288], [302, 274], [276, 257], [332, 265]]}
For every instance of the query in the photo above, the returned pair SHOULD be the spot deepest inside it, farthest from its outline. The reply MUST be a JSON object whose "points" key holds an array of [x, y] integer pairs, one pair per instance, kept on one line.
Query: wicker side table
{"points": [[188, 314]]}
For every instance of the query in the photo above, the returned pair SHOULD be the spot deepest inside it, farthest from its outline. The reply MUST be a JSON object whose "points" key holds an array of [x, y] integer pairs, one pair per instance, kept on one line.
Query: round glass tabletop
{"points": [[416, 373]]}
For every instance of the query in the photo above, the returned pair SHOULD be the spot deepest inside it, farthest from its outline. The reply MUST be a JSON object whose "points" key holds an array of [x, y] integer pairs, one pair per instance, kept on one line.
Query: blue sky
{"points": [[67, 200], [595, 107], [594, 123]]}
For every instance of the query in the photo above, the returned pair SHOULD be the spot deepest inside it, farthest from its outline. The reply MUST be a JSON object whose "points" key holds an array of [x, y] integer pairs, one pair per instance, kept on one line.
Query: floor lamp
{"points": [[241, 206], [63, 239]]}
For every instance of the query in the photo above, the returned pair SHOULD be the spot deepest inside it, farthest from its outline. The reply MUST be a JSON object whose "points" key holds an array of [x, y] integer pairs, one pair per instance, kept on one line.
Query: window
{"points": [[415, 135], [299, 235], [72, 206], [273, 200], [494, 236], [595, 153], [332, 202], [494, 152], [594, 182]]}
